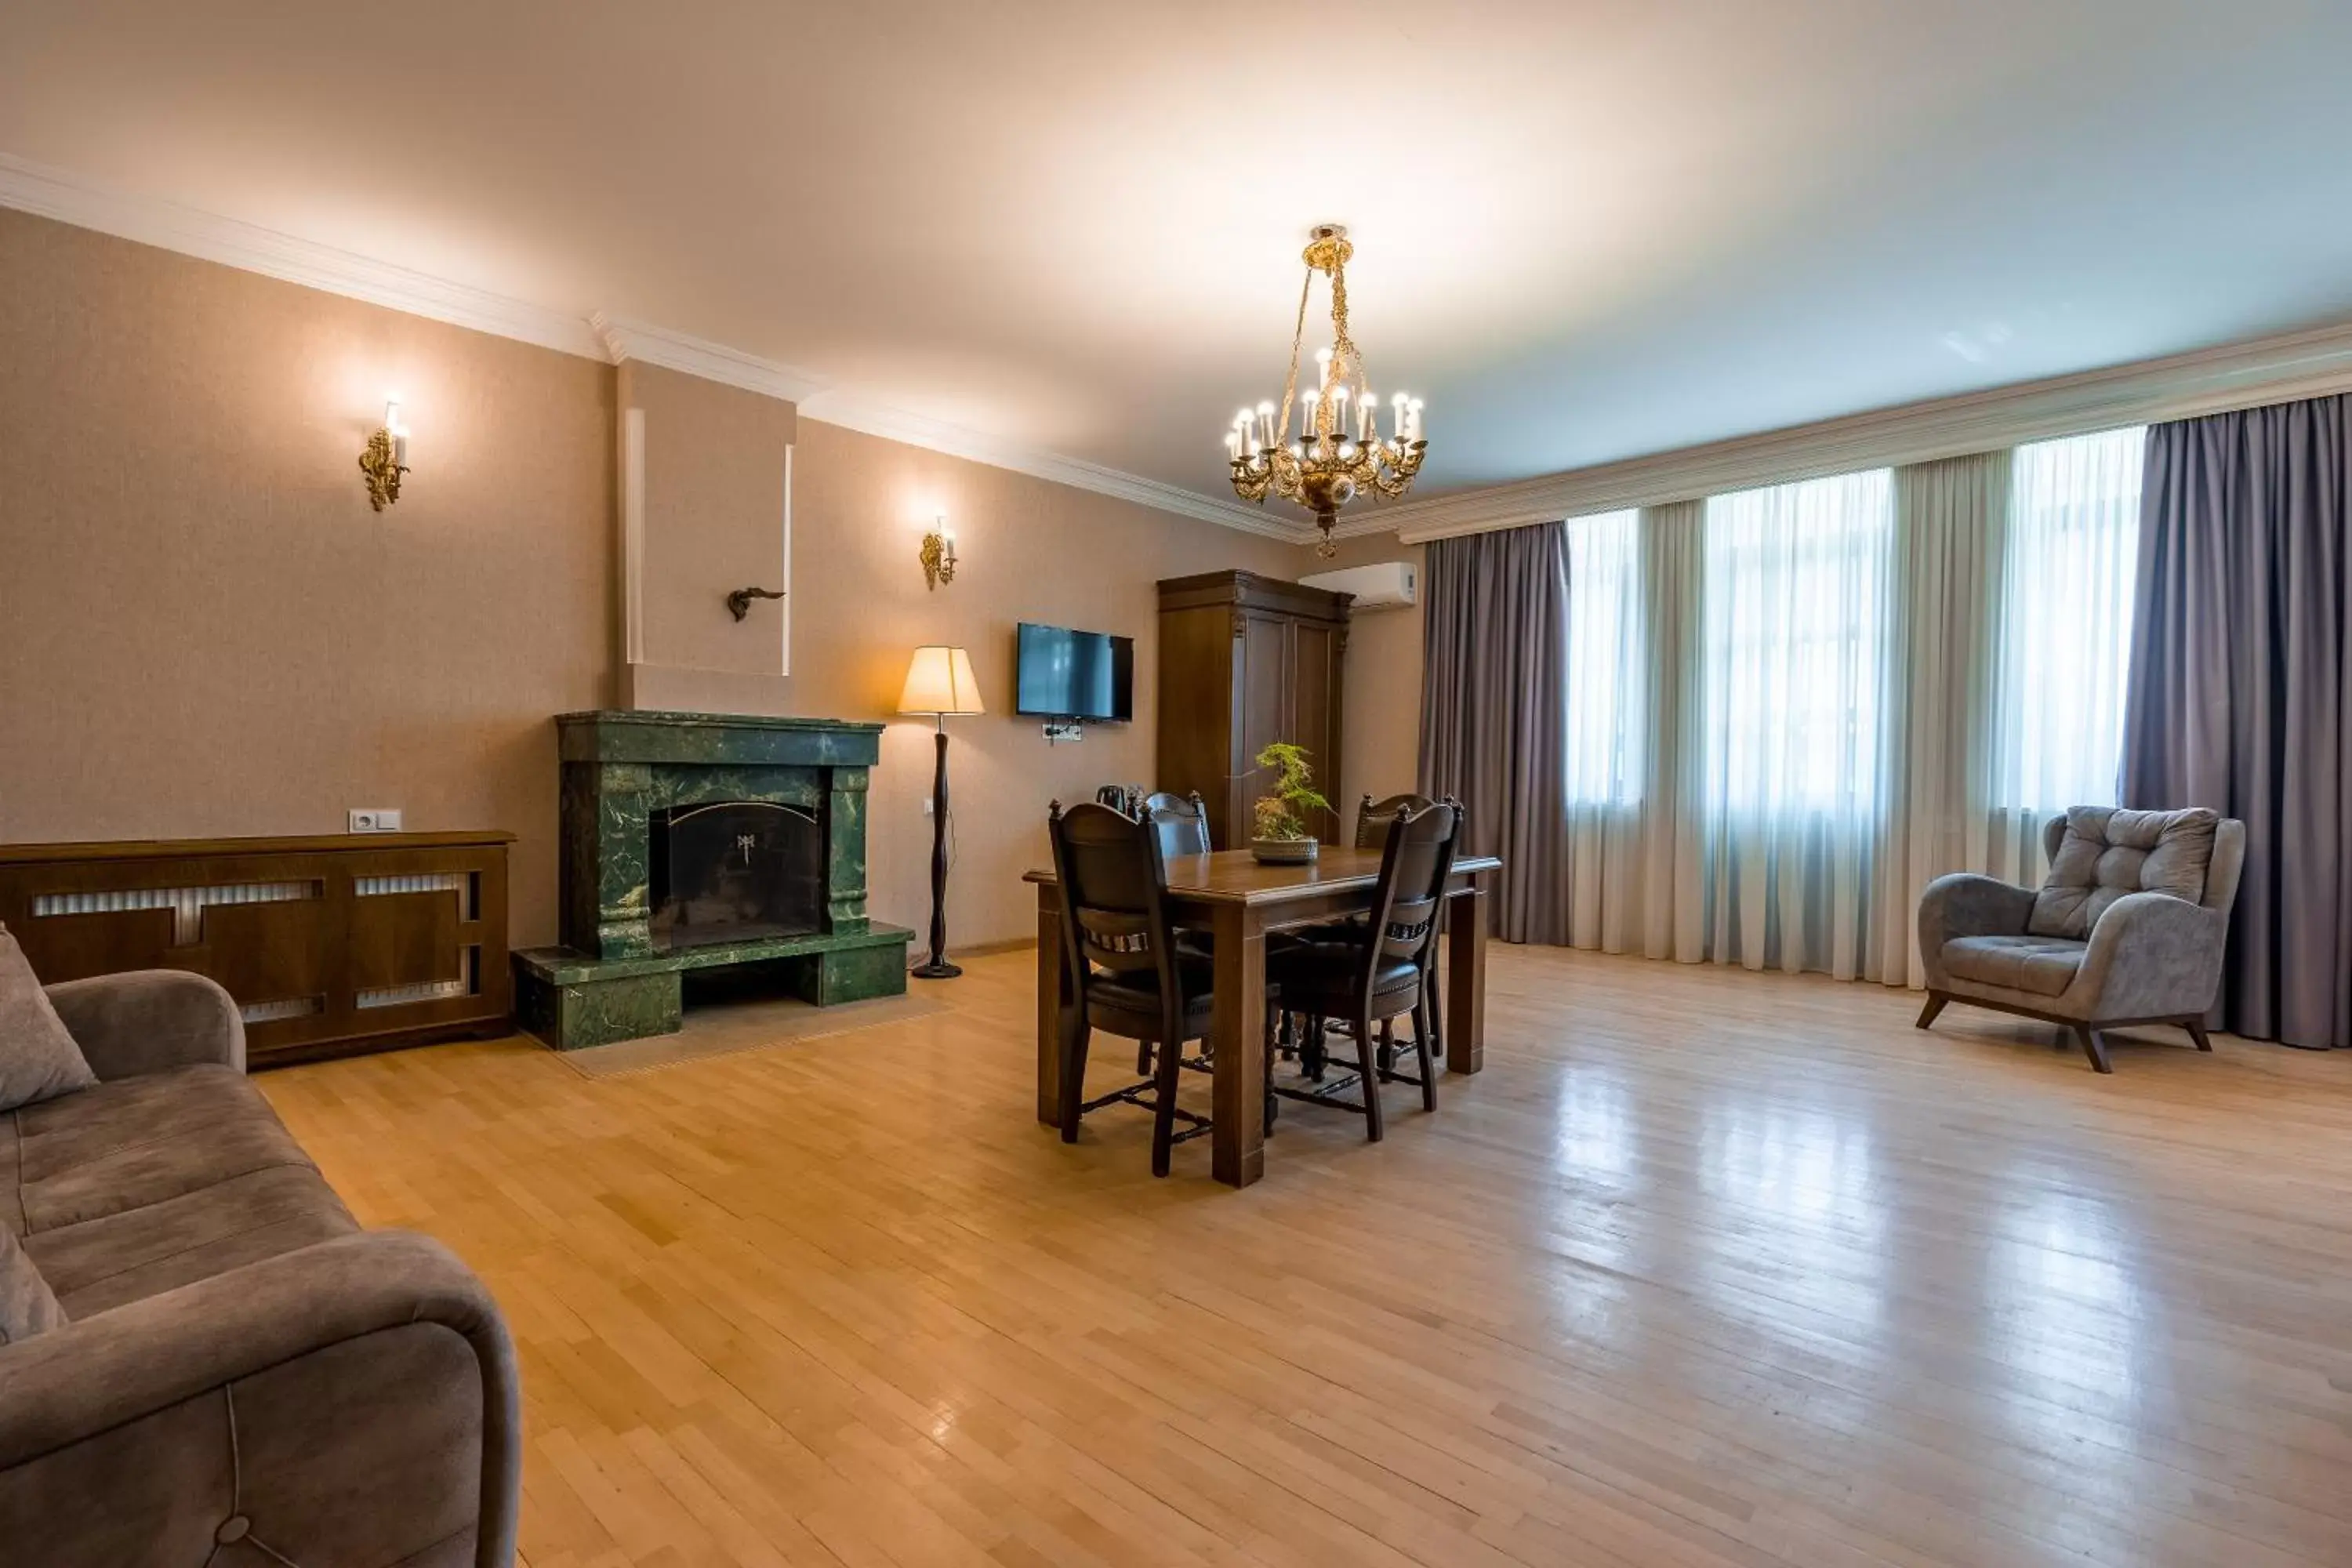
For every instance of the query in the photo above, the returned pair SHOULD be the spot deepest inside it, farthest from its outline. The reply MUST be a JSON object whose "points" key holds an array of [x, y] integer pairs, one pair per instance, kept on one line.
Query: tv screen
{"points": [[1065, 674]]}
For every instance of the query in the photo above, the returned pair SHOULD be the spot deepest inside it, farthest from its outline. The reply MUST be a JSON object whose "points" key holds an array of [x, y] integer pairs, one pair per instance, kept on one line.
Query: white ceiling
{"points": [[1585, 231]]}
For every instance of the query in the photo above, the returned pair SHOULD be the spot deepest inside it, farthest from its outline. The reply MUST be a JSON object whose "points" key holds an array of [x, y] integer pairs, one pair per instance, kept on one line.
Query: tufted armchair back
{"points": [[2099, 853]]}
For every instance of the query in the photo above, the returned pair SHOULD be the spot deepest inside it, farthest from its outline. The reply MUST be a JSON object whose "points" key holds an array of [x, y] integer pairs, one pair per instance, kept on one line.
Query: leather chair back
{"points": [[1374, 819]]}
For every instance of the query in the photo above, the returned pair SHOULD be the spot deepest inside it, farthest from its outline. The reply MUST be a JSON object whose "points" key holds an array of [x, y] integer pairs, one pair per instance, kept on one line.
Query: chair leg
{"points": [[1936, 1000], [1074, 1035], [1143, 1058], [1164, 1117], [1369, 1070], [2196, 1028], [1388, 1047], [2093, 1047], [1423, 1008], [1433, 1005]]}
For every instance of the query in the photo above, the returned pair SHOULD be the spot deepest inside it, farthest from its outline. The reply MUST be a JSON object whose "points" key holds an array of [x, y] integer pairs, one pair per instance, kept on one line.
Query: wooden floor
{"points": [[1707, 1267]]}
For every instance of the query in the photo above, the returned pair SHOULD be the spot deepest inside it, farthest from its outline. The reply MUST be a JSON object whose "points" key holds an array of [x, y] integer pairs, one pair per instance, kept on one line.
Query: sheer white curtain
{"points": [[2062, 638], [1950, 520], [1797, 608], [1606, 729]]}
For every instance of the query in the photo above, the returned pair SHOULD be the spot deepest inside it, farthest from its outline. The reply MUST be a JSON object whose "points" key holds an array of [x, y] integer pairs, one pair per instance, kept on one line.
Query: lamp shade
{"points": [[939, 681]]}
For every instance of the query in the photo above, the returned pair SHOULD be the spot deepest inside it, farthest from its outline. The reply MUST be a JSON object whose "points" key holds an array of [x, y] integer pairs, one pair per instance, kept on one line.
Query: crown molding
{"points": [[2181, 386], [69, 198], [852, 412], [625, 340]]}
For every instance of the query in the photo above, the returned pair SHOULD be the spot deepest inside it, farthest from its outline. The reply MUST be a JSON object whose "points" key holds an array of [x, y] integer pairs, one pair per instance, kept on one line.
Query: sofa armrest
{"points": [[150, 1019], [351, 1401], [2152, 955], [1965, 904]]}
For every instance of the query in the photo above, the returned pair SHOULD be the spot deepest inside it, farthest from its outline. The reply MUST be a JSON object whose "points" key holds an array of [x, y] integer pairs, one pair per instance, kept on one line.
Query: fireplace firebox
{"points": [[735, 870]]}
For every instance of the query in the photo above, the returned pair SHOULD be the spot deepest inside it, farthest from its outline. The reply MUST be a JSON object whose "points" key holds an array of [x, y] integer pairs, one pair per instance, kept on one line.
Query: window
{"points": [[2066, 624], [1606, 695], [1796, 593]]}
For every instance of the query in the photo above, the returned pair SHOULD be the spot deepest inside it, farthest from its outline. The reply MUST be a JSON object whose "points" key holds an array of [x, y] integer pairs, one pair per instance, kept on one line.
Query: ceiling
{"points": [[1585, 231]]}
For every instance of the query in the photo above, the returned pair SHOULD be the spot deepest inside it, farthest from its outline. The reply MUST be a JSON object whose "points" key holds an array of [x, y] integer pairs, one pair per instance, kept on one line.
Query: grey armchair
{"points": [[2130, 927]]}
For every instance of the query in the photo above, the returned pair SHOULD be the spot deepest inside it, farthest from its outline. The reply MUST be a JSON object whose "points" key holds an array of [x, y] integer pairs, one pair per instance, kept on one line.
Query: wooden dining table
{"points": [[1239, 901]]}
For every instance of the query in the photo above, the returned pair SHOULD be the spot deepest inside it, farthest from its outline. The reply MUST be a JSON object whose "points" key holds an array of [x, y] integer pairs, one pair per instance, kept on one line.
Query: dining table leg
{"points": [[1052, 997], [1237, 1031], [1465, 981]]}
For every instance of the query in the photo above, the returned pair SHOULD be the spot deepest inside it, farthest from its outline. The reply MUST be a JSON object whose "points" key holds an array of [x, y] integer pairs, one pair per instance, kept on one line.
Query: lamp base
{"points": [[937, 969]]}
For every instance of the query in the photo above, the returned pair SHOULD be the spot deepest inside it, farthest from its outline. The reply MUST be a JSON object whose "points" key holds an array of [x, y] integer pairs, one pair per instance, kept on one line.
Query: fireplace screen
{"points": [[736, 871]]}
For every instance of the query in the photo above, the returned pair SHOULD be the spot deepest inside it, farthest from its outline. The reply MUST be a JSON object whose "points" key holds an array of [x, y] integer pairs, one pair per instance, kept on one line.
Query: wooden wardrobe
{"points": [[1245, 661]]}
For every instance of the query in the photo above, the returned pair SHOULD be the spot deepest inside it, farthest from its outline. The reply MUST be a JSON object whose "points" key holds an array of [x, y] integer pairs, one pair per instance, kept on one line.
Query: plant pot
{"points": [[1284, 851]]}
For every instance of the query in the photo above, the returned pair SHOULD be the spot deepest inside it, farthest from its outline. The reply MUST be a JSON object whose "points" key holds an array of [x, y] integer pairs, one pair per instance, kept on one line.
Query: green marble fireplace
{"points": [[658, 811]]}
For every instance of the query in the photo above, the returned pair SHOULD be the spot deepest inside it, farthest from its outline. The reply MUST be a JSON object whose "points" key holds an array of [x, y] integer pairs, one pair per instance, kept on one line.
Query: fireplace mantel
{"points": [[612, 979]]}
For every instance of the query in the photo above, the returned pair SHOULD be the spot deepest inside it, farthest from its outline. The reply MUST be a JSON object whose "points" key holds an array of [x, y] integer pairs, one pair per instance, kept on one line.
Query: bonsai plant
{"points": [[1281, 837]]}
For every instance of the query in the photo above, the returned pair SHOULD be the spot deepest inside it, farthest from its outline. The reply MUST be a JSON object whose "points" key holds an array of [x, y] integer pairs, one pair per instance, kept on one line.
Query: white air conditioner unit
{"points": [[1376, 587]]}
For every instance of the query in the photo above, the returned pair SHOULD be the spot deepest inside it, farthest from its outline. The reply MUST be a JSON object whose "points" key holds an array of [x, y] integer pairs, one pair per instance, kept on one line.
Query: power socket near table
{"points": [[376, 819]]}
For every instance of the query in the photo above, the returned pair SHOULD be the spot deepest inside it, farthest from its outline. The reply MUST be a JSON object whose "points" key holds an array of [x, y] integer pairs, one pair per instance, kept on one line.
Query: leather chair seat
{"points": [[2045, 965], [1129, 1005], [1320, 977]]}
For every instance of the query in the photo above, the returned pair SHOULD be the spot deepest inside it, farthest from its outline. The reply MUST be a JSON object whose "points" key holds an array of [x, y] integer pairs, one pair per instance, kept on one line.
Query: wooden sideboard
{"points": [[1244, 660], [332, 945]]}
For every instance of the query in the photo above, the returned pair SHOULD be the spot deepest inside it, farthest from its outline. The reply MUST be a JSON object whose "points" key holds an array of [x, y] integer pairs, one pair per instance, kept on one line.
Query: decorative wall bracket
{"points": [[381, 465], [739, 603], [938, 555]]}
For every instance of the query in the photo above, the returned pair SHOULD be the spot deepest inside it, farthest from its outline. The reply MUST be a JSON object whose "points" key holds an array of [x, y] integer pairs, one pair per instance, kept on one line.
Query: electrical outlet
{"points": [[927, 806], [376, 819]]}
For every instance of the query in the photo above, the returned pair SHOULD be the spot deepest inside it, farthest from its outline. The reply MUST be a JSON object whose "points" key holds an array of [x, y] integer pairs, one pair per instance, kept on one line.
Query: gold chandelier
{"points": [[1338, 451]]}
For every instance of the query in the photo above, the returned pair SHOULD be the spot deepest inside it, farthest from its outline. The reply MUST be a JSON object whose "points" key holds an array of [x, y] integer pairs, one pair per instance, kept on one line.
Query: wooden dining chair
{"points": [[1373, 817], [1381, 972], [1181, 822], [1127, 976]]}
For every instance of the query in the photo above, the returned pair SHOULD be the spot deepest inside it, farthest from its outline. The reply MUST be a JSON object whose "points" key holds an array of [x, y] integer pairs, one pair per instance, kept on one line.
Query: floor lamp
{"points": [[938, 684]]}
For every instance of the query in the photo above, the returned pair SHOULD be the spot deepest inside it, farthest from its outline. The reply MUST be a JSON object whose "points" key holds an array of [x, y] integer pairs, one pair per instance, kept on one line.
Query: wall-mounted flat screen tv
{"points": [[1065, 674]]}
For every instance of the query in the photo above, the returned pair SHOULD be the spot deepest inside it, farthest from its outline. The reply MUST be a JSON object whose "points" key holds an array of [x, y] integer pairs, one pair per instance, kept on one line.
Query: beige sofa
{"points": [[243, 1375]]}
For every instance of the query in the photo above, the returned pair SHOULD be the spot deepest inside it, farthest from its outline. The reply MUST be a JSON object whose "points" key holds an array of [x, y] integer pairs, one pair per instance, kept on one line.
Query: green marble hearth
{"points": [[613, 978]]}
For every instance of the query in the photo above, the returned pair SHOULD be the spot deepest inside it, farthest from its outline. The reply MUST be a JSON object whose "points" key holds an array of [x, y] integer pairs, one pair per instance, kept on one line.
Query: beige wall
{"points": [[1383, 697], [204, 630], [714, 519], [1030, 551]]}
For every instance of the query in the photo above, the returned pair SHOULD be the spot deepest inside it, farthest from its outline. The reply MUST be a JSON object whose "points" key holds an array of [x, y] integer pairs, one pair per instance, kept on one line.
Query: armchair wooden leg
{"points": [[2196, 1028], [1936, 1000], [2088, 1039]]}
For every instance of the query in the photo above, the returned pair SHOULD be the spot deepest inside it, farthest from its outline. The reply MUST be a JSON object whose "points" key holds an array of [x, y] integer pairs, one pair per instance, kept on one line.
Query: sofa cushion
{"points": [[27, 1306], [139, 1141], [2108, 852], [38, 1059], [100, 1264], [149, 1183], [2045, 965]]}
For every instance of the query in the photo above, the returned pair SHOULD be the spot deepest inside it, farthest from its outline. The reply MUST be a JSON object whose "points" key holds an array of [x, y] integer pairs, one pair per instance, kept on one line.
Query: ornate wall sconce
{"points": [[385, 458], [937, 554]]}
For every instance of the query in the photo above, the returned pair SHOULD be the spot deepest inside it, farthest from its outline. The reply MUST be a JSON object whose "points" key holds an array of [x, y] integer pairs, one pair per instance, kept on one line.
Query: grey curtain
{"points": [[2241, 695], [1494, 695]]}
